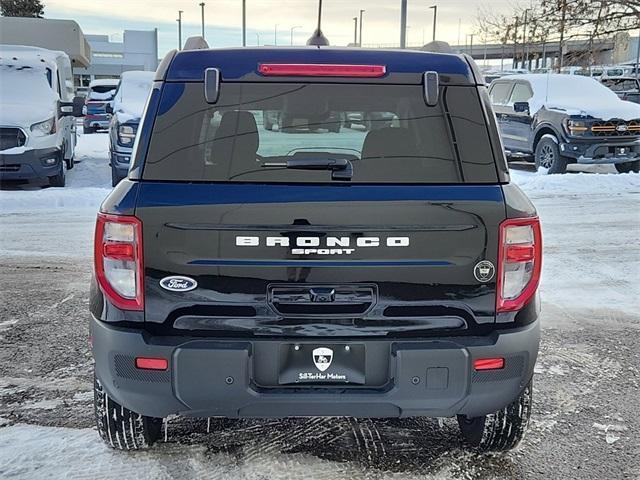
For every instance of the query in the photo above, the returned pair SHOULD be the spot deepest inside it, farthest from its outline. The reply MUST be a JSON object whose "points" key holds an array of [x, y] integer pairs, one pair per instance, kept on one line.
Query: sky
{"points": [[223, 19]]}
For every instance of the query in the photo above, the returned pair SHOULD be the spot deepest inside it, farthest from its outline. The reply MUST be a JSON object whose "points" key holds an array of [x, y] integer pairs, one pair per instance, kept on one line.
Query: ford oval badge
{"points": [[178, 284]]}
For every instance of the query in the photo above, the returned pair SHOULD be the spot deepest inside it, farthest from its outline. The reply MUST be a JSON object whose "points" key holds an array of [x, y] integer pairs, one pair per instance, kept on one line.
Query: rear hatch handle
{"points": [[341, 168]]}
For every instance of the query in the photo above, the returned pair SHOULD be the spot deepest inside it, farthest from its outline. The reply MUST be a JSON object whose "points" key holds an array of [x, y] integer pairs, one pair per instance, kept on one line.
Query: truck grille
{"points": [[11, 137], [616, 128]]}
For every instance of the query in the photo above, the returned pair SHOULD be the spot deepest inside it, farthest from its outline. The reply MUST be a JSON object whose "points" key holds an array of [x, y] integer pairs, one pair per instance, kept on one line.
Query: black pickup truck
{"points": [[557, 120], [390, 272]]}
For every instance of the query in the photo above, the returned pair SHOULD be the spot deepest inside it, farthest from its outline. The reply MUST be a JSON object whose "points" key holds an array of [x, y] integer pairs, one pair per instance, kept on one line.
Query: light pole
{"points": [[435, 17], [275, 34], [470, 35], [361, 12], [244, 24], [258, 38], [355, 31], [292, 29], [202, 15], [179, 20]]}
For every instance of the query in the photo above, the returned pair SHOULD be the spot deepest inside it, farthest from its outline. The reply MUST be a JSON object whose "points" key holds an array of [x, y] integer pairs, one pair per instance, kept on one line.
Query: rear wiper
{"points": [[341, 168]]}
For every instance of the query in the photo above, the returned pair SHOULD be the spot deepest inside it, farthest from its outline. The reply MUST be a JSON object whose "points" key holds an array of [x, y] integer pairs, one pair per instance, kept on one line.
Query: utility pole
{"points": [[258, 38], [292, 29], [361, 12], [403, 23], [459, 28], [179, 20], [471, 44], [524, 39], [244, 24], [355, 31], [202, 15], [275, 34], [435, 16]]}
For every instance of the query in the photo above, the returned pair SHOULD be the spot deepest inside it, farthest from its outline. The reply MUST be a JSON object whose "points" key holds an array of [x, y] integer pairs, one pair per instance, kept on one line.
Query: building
{"points": [[138, 50], [63, 35]]}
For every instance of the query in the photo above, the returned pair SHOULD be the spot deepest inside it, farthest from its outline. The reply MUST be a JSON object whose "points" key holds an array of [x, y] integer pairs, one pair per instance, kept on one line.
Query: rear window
{"points": [[387, 132]]}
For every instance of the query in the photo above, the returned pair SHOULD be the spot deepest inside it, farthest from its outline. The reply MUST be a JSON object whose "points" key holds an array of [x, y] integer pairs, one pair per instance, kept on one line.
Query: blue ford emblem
{"points": [[178, 284]]}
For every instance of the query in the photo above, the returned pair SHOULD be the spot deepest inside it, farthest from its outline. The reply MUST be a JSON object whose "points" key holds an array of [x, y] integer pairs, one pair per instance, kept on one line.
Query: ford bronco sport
{"points": [[386, 272]]}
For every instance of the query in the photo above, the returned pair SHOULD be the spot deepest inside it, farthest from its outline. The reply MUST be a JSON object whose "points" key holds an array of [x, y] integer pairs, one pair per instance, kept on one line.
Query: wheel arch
{"points": [[545, 129]]}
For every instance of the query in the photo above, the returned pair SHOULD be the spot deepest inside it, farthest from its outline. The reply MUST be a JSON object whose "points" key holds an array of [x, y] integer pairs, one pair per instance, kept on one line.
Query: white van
{"points": [[37, 109]]}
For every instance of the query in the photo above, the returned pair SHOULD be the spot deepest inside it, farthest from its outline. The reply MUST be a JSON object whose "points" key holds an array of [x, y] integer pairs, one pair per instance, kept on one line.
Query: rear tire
{"points": [[628, 167], [60, 179], [119, 427], [500, 431], [548, 156]]}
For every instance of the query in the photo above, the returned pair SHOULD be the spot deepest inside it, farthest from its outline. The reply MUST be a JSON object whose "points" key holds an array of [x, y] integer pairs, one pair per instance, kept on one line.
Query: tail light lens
{"points": [[118, 260], [519, 263], [322, 70]]}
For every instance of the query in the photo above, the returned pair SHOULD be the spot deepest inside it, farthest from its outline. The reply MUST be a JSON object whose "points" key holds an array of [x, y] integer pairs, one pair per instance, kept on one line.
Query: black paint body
{"points": [[412, 308]]}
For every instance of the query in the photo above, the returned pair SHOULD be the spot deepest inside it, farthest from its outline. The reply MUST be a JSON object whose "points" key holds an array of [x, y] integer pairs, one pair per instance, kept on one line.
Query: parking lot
{"points": [[585, 422]]}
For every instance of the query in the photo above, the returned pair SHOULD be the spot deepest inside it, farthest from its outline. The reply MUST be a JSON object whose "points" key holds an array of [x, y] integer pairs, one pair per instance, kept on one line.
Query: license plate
{"points": [[622, 151], [322, 363]]}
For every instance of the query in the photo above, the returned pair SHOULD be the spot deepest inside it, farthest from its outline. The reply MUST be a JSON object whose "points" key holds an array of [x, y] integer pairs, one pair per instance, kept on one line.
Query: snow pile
{"points": [[576, 183], [24, 84], [132, 94], [108, 95], [577, 95]]}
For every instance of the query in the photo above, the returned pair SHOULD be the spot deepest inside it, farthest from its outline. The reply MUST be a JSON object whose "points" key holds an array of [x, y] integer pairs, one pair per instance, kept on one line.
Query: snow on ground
{"points": [[50, 453], [591, 226]]}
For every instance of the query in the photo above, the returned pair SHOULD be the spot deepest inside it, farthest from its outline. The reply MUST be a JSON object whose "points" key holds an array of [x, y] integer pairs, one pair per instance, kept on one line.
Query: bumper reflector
{"points": [[145, 363], [488, 364]]}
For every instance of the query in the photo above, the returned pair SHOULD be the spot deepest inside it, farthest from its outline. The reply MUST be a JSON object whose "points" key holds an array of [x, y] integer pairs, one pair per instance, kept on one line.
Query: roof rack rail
{"points": [[196, 43]]}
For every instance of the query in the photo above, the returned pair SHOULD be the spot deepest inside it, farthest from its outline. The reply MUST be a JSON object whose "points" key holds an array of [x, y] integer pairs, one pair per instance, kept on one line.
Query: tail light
{"points": [[519, 263], [481, 364], [321, 70], [118, 260]]}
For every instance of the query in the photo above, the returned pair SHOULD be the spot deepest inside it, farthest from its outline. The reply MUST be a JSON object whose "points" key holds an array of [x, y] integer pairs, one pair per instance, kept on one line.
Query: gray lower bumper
{"points": [[120, 163], [207, 377], [29, 164], [603, 152]]}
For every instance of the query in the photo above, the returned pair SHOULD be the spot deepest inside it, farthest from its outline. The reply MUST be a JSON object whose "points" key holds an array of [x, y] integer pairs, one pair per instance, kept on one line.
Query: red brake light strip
{"points": [[321, 70]]}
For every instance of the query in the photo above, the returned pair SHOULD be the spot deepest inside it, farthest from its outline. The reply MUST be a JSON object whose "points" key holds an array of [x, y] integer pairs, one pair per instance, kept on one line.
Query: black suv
{"points": [[390, 272], [564, 119]]}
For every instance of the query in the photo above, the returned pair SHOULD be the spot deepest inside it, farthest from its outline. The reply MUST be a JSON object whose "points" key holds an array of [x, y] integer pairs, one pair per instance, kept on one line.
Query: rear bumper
{"points": [[602, 152], [215, 377], [29, 165]]}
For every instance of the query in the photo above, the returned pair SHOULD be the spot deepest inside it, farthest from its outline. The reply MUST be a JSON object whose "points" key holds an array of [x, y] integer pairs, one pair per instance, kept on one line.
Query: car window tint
{"points": [[387, 132], [499, 92]]}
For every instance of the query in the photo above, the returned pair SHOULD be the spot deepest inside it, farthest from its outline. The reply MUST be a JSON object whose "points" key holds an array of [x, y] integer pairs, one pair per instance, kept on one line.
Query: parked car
{"points": [[563, 119], [627, 88], [391, 273], [37, 109], [369, 120], [126, 109], [302, 122], [100, 94]]}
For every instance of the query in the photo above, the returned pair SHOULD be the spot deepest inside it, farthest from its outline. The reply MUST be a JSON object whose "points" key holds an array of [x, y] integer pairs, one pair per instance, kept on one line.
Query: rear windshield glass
{"points": [[387, 132]]}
